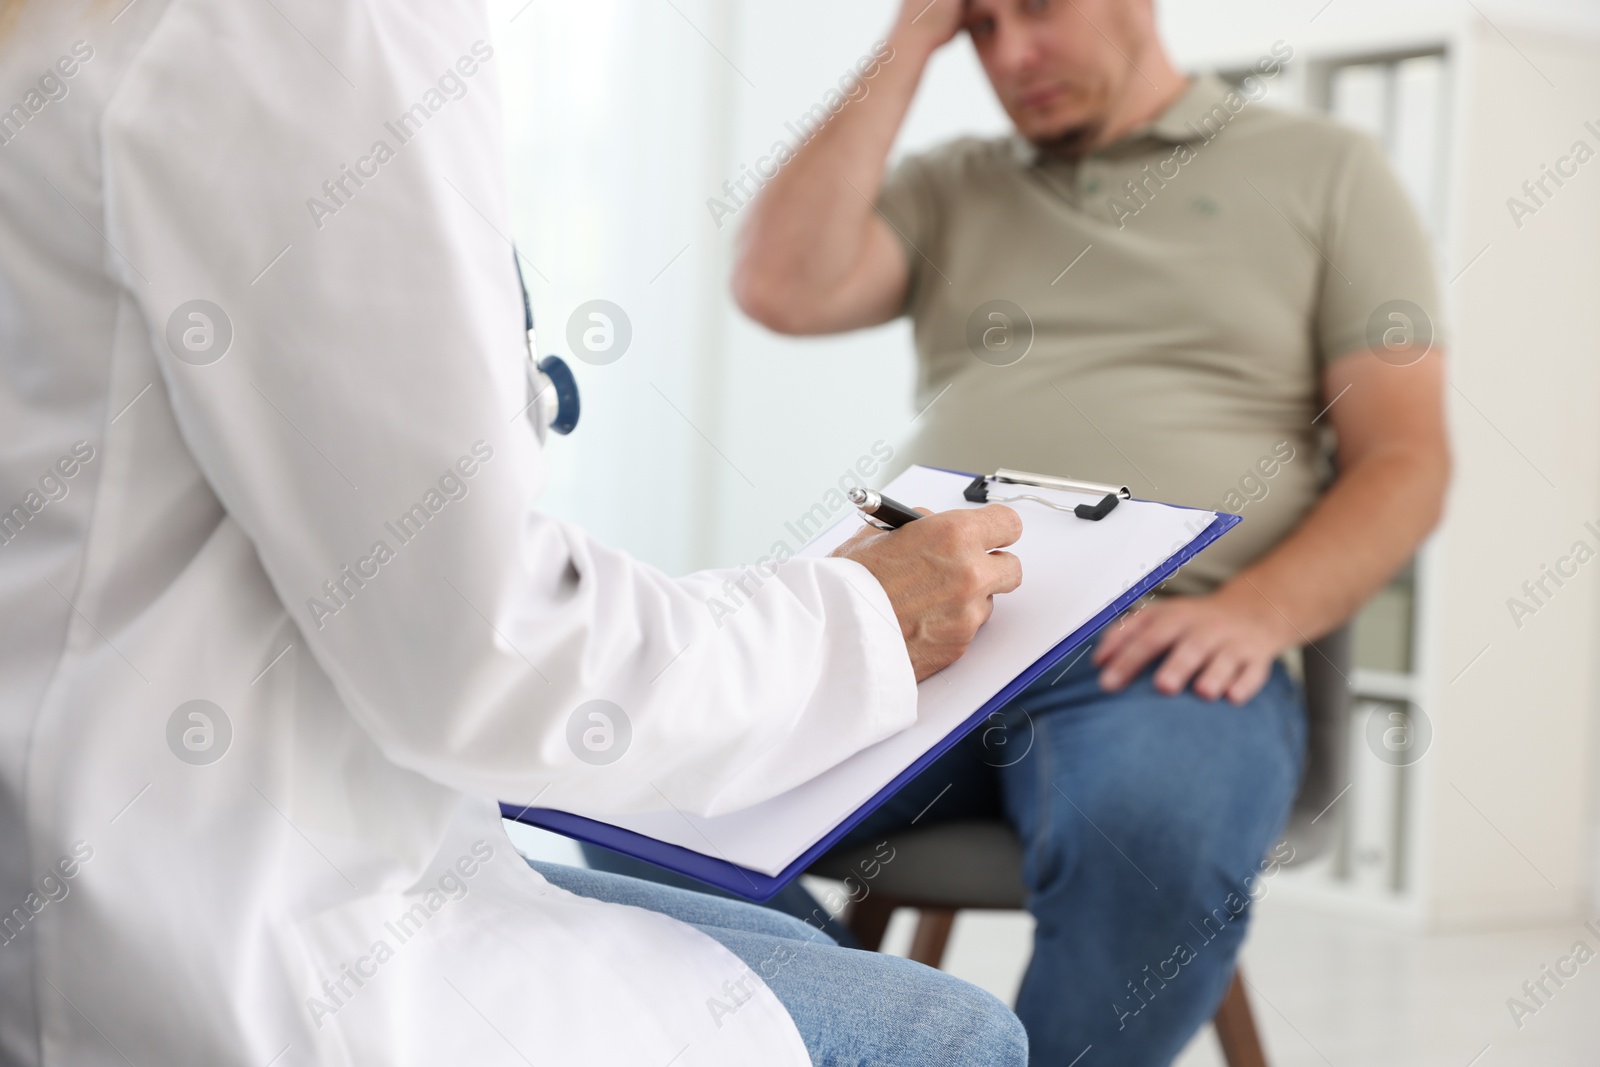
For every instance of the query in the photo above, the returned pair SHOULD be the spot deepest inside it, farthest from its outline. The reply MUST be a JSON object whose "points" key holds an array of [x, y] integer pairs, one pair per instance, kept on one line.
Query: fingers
{"points": [[1220, 671], [1188, 655], [1249, 682], [971, 539], [998, 525], [1208, 666], [1155, 636], [1119, 634], [941, 575], [944, 18], [1203, 644], [1003, 573], [991, 527]]}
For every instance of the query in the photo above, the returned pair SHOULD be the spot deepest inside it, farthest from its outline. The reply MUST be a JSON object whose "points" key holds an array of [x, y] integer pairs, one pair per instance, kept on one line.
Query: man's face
{"points": [[1059, 66]]}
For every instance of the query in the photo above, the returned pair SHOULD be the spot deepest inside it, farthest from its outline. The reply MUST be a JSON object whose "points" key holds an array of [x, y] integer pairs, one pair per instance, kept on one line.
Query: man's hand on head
{"points": [[941, 574], [929, 23], [1220, 645]]}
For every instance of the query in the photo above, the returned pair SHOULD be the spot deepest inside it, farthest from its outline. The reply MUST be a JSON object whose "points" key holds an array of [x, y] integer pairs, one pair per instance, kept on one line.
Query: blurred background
{"points": [[1468, 842]]}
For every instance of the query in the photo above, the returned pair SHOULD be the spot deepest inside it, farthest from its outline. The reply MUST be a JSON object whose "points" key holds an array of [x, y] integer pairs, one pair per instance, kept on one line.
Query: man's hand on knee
{"points": [[1221, 645], [941, 574]]}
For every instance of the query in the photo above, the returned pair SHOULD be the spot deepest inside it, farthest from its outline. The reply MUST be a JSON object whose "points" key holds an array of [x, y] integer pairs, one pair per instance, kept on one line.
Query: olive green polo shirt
{"points": [[1159, 313]]}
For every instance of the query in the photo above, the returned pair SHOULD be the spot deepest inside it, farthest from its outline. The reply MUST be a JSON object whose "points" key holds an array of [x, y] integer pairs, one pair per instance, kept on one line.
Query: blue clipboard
{"points": [[756, 886]]}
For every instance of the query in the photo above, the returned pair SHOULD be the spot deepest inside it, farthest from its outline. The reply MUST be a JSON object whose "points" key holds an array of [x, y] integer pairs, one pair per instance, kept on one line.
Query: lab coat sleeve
{"points": [[333, 191]]}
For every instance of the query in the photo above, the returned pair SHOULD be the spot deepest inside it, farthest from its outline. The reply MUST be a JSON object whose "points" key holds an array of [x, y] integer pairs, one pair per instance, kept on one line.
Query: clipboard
{"points": [[759, 885]]}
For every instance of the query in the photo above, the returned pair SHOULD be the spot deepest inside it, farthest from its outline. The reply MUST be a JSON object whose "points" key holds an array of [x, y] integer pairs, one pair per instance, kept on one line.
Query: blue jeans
{"points": [[852, 1008], [1141, 817]]}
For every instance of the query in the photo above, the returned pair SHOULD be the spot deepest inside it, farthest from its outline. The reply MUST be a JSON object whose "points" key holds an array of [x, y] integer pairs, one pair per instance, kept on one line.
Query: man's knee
{"points": [[977, 1028], [1194, 829], [1002, 1037], [944, 1020], [862, 1007]]}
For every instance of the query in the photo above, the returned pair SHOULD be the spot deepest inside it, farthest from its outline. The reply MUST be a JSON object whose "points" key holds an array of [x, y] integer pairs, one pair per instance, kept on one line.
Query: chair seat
{"points": [[987, 874]]}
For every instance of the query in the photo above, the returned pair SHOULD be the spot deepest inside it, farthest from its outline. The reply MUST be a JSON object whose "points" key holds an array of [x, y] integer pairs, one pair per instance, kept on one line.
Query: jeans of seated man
{"points": [[1141, 817]]}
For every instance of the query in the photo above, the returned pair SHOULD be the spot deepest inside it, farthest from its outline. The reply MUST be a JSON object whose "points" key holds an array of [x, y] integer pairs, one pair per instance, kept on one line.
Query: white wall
{"points": [[610, 107], [1508, 825], [1201, 32]]}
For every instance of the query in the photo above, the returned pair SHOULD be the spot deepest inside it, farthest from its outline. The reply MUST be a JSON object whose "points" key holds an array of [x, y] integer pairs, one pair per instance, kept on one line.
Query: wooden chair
{"points": [[949, 867]]}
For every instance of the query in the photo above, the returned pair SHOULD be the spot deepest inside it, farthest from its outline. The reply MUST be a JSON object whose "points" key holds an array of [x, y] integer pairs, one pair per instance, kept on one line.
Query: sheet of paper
{"points": [[1072, 570]]}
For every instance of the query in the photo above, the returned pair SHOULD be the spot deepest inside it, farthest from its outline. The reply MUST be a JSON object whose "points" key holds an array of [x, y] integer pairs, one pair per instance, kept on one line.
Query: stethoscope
{"points": [[552, 390]]}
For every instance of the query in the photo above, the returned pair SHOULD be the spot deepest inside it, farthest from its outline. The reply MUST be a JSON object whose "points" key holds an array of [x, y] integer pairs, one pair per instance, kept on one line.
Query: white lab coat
{"points": [[336, 888]]}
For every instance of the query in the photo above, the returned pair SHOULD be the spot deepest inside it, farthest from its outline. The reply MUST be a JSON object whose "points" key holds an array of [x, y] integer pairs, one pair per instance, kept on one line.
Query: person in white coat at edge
{"points": [[250, 758]]}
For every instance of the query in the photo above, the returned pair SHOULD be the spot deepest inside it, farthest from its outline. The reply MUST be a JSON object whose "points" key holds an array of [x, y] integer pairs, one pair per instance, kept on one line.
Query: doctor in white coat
{"points": [[280, 621]]}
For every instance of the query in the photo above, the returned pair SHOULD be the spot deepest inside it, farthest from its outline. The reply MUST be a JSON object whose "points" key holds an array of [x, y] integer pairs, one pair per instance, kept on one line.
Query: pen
{"points": [[881, 511]]}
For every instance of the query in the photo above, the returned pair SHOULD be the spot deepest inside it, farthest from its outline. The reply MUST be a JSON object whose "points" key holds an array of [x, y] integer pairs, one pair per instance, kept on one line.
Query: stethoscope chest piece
{"points": [[553, 395], [552, 389]]}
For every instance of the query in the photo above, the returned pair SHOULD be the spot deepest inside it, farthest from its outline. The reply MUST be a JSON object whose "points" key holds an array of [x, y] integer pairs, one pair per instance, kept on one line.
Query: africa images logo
{"points": [[599, 732], [199, 333], [599, 332], [199, 732], [1400, 333]]}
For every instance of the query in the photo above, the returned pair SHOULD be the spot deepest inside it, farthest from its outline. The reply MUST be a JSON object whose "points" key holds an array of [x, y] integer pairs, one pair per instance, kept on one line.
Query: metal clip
{"points": [[1110, 495]]}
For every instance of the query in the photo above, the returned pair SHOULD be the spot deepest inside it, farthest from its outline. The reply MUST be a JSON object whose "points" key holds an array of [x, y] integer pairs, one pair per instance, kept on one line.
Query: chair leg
{"points": [[1236, 1028], [868, 919], [933, 934]]}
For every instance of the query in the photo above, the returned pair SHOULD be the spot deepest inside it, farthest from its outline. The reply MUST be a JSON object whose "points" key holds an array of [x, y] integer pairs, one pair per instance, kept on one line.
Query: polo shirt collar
{"points": [[1181, 121], [1178, 124]]}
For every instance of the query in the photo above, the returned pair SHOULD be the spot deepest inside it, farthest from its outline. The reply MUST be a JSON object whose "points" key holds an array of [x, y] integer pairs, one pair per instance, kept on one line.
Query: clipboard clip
{"points": [[1110, 495]]}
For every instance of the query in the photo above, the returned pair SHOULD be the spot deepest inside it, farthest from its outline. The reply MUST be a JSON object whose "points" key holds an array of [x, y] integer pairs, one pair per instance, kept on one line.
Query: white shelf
{"points": [[1383, 685]]}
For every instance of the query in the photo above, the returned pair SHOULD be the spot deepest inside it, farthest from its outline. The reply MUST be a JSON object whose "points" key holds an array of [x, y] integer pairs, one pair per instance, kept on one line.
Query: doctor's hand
{"points": [[1220, 645], [941, 574]]}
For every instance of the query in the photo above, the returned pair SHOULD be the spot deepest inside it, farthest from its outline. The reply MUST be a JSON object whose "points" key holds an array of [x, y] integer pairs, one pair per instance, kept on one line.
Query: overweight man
{"points": [[1153, 280]]}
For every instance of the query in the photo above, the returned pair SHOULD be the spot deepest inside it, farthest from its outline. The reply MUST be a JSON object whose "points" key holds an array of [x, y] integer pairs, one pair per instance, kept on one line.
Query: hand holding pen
{"points": [[940, 573]]}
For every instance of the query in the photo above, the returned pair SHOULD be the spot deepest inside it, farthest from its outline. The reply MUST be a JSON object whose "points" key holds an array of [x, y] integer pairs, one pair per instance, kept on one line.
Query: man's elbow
{"points": [[775, 305], [1441, 472], [763, 301], [1431, 467]]}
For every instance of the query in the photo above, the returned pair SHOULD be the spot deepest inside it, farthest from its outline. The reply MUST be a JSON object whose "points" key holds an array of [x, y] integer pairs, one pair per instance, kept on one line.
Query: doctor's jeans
{"points": [[851, 1008], [1142, 816]]}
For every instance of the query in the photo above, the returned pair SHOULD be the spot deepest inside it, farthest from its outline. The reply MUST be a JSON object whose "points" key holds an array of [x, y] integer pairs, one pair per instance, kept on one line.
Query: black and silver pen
{"points": [[881, 511]]}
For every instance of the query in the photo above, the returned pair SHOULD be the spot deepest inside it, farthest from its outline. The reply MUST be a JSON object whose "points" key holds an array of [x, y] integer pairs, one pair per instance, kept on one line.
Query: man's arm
{"points": [[1394, 466], [814, 256]]}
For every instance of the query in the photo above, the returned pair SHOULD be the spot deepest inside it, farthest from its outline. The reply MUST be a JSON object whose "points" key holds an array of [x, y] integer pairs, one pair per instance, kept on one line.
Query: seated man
{"points": [[1160, 282]]}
